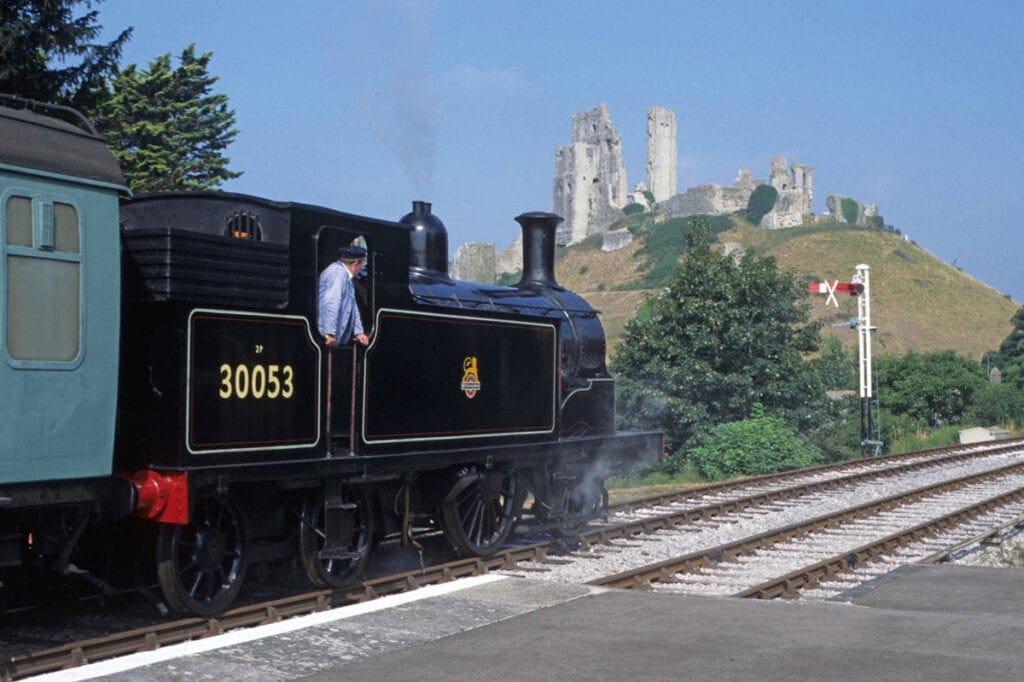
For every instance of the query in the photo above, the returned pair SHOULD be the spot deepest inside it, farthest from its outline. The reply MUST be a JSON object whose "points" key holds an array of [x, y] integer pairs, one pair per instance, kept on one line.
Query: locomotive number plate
{"points": [[253, 382]]}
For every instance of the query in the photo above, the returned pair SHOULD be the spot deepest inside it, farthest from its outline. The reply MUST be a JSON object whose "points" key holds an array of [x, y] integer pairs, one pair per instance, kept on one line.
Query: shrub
{"points": [[851, 211], [649, 195], [755, 446], [931, 389], [633, 209], [876, 221], [761, 202], [509, 279], [663, 245], [996, 404]]}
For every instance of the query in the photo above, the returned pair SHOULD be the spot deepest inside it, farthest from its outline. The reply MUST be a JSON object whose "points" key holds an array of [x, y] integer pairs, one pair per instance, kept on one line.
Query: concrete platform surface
{"points": [[513, 629]]}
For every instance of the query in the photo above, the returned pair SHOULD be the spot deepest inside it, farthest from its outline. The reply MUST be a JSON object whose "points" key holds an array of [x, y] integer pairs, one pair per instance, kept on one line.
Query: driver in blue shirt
{"points": [[338, 316]]}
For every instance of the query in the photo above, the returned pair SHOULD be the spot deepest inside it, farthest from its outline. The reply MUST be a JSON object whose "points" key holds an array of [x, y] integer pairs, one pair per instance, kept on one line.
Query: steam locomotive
{"points": [[162, 374]]}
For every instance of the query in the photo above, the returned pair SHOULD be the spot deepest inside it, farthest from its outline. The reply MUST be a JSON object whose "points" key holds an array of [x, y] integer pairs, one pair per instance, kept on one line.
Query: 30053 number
{"points": [[256, 381]]}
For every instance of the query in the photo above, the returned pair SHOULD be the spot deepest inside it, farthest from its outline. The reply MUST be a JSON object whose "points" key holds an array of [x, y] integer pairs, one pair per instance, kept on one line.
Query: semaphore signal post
{"points": [[859, 286]]}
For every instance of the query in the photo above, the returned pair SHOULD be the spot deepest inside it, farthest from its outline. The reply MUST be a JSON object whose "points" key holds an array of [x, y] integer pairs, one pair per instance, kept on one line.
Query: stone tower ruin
{"points": [[590, 177], [662, 160], [795, 185]]}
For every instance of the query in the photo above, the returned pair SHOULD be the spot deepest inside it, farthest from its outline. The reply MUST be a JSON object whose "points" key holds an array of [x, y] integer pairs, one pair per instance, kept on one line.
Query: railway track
{"points": [[634, 524], [746, 487], [838, 542]]}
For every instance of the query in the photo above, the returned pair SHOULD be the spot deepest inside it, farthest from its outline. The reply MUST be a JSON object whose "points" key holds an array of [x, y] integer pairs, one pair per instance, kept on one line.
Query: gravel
{"points": [[603, 560]]}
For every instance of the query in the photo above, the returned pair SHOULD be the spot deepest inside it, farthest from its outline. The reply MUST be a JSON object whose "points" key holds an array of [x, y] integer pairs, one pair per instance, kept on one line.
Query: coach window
{"points": [[44, 261]]}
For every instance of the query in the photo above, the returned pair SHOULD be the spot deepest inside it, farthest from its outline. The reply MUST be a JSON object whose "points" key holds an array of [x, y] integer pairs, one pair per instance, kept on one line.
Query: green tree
{"points": [[166, 127], [751, 447], [48, 54], [1010, 356], [1012, 346], [836, 367], [722, 337], [997, 404], [761, 201], [850, 210], [933, 389], [836, 431]]}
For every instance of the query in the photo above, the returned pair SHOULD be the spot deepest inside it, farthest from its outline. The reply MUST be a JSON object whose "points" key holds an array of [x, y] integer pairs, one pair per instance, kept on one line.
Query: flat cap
{"points": [[351, 252]]}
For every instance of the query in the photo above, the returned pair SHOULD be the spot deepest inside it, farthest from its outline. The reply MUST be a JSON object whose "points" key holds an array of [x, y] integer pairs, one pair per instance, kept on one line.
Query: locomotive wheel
{"points": [[201, 565], [569, 504], [340, 565], [480, 510]]}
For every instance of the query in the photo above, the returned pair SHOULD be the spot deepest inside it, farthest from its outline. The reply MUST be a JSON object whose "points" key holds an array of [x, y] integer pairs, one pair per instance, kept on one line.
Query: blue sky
{"points": [[364, 106]]}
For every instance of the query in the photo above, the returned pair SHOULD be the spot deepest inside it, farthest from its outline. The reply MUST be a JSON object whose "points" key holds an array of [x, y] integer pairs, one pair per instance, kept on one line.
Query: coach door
{"points": [[344, 362]]}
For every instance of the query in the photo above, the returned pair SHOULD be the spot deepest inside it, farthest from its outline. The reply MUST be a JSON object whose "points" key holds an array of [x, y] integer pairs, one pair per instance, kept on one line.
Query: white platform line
{"points": [[235, 637]]}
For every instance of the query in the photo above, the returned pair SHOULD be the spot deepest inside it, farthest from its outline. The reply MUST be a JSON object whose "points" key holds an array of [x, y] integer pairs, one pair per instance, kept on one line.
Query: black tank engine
{"points": [[240, 437]]}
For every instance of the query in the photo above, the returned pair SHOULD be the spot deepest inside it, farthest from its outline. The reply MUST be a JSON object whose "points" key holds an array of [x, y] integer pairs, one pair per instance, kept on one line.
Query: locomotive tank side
{"points": [[581, 384]]}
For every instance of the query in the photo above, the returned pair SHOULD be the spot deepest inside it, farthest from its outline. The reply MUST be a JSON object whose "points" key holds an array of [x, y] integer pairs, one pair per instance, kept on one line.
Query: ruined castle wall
{"points": [[590, 186], [795, 185], [510, 261], [474, 262], [788, 210], [572, 191], [834, 203], [779, 176], [706, 200], [803, 179], [746, 180], [613, 240], [662, 156]]}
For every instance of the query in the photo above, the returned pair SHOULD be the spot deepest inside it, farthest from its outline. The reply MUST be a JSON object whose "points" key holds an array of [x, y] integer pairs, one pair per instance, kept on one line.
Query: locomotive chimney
{"points": [[538, 248], [428, 240]]}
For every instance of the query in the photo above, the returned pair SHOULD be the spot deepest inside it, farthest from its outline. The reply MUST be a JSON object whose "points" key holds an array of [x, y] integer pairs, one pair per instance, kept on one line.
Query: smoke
{"points": [[403, 109]]}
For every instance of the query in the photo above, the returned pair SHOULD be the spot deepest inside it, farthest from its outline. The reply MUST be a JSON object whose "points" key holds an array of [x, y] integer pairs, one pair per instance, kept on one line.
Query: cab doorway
{"points": [[344, 357]]}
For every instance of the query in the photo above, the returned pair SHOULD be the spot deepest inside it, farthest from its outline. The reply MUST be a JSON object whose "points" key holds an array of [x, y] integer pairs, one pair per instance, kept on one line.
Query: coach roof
{"points": [[44, 142]]}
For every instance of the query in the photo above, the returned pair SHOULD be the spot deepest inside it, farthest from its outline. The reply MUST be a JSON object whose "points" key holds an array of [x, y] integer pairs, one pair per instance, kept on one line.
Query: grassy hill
{"points": [[918, 301]]}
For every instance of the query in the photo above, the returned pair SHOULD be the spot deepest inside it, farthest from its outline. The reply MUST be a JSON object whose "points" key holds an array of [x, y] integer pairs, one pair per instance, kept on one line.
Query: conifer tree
{"points": [[166, 126], [47, 53]]}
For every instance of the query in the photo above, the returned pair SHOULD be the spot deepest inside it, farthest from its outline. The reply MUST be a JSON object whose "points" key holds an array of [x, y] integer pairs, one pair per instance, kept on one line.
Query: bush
{"points": [[931, 389], [876, 221], [649, 195], [633, 209], [755, 446], [837, 431], [836, 367], [997, 404], [761, 201], [663, 246], [900, 429], [851, 211]]}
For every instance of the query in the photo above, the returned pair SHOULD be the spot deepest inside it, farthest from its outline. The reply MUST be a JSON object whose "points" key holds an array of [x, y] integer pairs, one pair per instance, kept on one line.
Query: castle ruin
{"points": [[590, 177], [662, 154], [590, 181], [795, 185], [590, 191], [834, 204], [475, 262]]}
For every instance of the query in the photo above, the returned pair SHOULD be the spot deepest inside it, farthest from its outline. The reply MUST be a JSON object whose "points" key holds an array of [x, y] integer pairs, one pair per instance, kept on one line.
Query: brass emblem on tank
{"points": [[470, 377]]}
